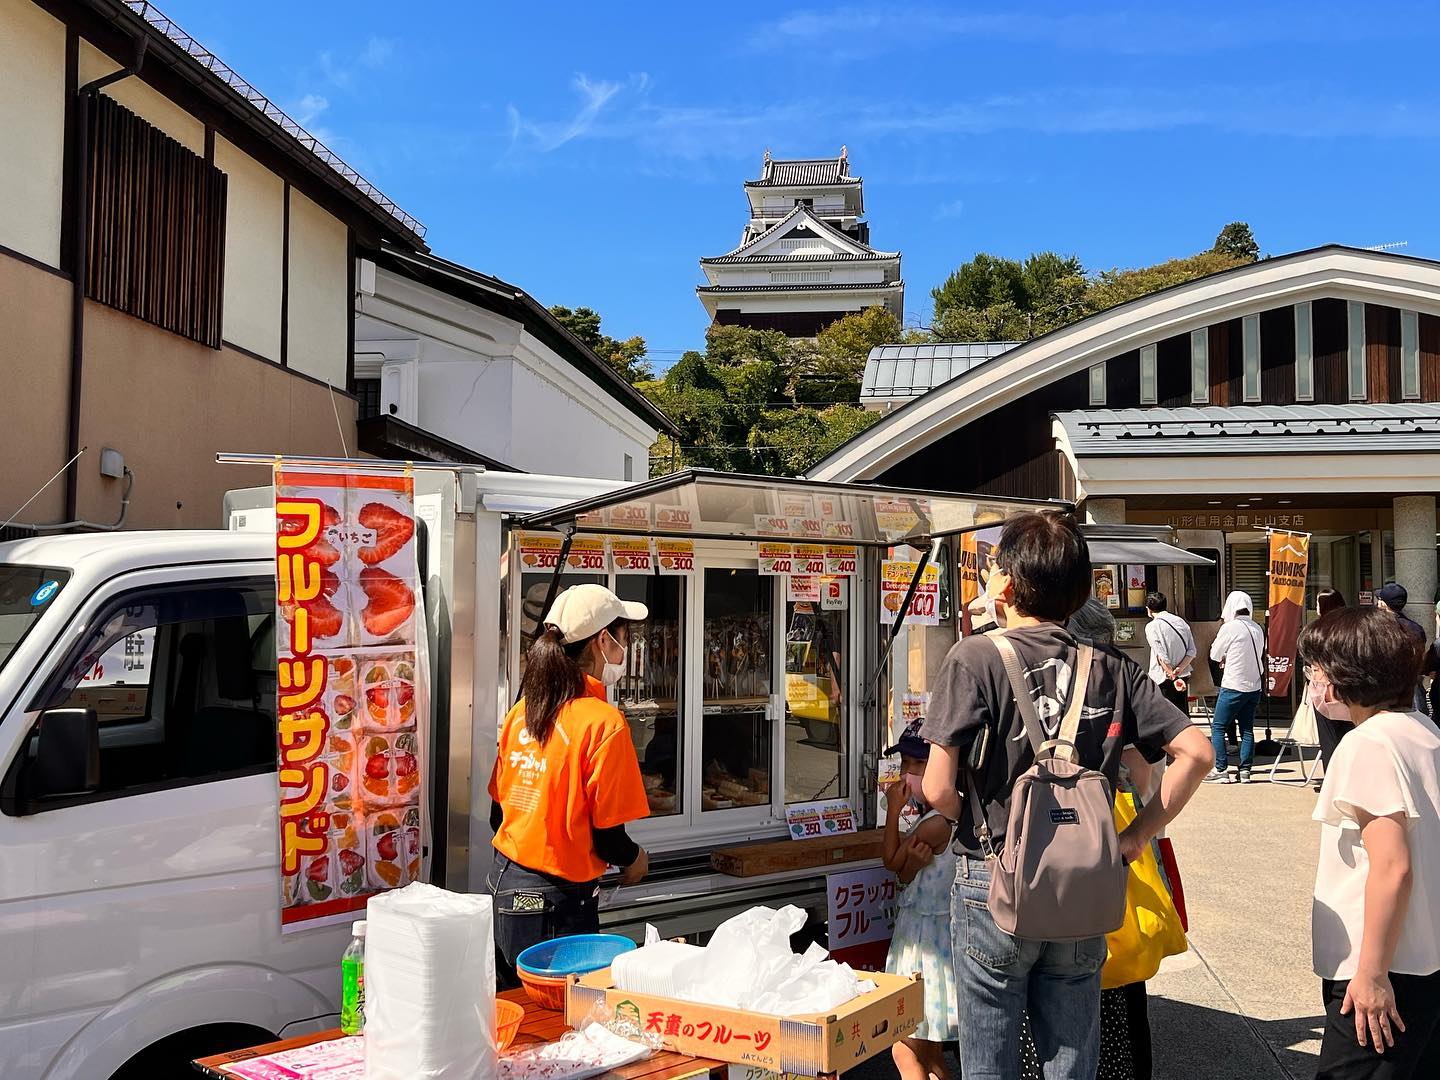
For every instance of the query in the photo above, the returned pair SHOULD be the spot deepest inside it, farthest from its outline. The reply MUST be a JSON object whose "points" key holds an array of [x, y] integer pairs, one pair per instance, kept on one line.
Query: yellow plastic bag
{"points": [[1152, 929]]}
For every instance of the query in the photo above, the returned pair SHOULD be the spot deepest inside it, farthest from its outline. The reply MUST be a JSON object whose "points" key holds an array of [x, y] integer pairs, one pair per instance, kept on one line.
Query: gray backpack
{"points": [[1058, 875]]}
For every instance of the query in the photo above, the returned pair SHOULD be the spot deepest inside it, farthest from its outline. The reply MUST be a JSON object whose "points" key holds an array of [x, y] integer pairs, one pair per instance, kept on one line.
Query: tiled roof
{"points": [[1297, 429], [839, 256], [814, 286], [805, 172], [900, 372], [781, 229]]}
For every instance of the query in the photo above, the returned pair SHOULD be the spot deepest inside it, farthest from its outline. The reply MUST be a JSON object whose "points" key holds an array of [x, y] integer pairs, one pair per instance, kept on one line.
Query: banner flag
{"points": [[1289, 566], [353, 691]]}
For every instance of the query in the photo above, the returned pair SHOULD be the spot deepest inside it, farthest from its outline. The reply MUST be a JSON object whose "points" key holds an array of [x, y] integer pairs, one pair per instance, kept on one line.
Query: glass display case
{"points": [[736, 746], [815, 698], [652, 689], [737, 700], [534, 587]]}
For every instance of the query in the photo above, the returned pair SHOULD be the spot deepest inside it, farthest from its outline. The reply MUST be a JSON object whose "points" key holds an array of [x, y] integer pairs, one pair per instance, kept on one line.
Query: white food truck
{"points": [[139, 859]]}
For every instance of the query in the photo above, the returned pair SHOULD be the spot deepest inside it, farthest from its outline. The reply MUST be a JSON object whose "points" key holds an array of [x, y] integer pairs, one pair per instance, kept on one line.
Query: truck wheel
{"points": [[169, 1059]]}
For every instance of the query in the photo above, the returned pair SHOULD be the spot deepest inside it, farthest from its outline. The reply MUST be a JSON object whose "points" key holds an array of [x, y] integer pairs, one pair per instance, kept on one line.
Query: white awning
{"points": [[1138, 545]]}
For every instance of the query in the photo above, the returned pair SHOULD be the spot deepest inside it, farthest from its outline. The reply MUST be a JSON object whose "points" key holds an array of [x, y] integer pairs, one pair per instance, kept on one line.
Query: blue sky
{"points": [[591, 153]]}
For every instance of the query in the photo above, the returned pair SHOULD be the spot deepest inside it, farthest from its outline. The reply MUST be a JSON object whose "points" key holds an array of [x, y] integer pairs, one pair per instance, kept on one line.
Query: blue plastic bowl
{"points": [[576, 955]]}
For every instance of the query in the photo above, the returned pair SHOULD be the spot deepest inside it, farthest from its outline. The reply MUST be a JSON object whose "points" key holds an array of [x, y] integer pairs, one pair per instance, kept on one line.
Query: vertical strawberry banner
{"points": [[352, 691]]}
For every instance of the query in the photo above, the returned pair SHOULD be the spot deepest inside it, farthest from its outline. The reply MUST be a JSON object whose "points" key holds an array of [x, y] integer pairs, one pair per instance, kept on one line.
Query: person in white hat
{"points": [[566, 778]]}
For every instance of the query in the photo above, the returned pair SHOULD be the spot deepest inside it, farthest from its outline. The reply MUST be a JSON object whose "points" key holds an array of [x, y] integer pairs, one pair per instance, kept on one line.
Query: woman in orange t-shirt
{"points": [[566, 777]]}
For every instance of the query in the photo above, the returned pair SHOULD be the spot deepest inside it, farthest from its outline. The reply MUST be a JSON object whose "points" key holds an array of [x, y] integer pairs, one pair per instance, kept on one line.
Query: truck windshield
{"points": [[25, 594]]}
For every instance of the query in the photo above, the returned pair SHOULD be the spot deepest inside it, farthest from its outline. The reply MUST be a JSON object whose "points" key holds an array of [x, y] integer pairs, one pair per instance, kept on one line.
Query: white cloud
{"points": [[595, 94], [308, 109], [848, 32], [670, 137], [340, 71], [377, 52]]}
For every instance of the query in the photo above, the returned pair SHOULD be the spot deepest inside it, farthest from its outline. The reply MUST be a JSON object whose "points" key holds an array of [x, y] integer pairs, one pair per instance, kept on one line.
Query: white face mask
{"points": [[993, 589], [611, 673]]}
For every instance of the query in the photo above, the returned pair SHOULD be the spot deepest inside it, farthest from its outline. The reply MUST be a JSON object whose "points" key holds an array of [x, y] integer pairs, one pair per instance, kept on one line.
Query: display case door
{"points": [[733, 753]]}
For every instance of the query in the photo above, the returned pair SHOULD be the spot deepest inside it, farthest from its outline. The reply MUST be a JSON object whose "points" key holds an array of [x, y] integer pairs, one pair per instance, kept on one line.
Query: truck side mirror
{"points": [[67, 754]]}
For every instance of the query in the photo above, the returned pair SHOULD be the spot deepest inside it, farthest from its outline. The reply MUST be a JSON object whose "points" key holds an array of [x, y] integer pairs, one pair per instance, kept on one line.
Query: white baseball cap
{"points": [[582, 611]]}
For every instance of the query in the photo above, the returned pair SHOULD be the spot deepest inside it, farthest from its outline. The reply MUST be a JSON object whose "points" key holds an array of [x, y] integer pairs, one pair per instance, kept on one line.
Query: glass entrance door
{"points": [[736, 663]]}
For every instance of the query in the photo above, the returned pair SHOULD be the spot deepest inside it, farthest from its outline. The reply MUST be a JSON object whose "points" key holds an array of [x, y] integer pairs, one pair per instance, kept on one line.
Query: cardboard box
{"points": [[801, 1045], [772, 857]]}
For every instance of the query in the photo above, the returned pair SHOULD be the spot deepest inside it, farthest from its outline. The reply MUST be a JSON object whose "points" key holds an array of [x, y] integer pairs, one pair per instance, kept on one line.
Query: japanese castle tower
{"points": [[804, 258]]}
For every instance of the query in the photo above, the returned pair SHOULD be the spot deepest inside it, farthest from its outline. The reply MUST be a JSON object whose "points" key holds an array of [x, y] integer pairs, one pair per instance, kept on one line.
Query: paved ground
{"points": [[1242, 1003]]}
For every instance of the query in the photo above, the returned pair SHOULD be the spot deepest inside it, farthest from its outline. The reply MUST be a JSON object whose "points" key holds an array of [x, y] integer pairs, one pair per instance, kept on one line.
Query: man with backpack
{"points": [[1030, 726]]}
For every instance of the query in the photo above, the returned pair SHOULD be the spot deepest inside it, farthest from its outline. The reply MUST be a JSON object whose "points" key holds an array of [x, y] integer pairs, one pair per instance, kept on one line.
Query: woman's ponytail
{"points": [[553, 677]]}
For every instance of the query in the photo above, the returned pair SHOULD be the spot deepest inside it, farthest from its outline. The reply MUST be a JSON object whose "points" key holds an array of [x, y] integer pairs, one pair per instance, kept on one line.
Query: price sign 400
{"points": [[923, 604]]}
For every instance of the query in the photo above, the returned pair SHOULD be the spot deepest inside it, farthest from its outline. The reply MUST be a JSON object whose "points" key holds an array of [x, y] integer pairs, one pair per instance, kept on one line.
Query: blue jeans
{"points": [[1000, 978], [1237, 705]]}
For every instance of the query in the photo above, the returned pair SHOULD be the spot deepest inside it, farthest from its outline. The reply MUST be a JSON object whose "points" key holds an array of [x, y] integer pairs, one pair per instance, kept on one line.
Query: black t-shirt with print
{"points": [[1123, 707]]}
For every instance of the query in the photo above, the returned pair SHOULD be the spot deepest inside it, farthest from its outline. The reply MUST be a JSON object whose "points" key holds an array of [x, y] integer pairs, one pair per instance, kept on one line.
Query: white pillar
{"points": [[1106, 511], [1415, 556]]}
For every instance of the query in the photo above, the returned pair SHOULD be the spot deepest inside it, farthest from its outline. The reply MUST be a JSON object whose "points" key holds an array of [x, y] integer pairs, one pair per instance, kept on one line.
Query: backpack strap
{"points": [[1064, 743], [1024, 703]]}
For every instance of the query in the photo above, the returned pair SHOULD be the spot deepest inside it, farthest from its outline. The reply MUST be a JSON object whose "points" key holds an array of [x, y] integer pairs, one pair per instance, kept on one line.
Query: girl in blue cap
{"points": [[922, 860]]}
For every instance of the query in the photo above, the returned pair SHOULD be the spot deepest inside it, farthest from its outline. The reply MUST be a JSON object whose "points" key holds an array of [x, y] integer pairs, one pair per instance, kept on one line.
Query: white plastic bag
{"points": [[747, 956], [815, 984], [591, 1051], [429, 986]]}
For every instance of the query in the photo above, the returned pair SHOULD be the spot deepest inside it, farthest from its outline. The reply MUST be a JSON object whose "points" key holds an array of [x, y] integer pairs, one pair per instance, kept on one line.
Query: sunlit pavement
{"points": [[1242, 1002]]}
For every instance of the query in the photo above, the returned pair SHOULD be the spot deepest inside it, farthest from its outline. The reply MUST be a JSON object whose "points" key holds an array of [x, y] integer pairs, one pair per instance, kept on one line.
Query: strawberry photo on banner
{"points": [[352, 691]]}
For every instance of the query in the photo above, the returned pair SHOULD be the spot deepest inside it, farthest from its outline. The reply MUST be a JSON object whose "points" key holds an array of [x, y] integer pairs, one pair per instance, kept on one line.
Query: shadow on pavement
{"points": [[1196, 1041], [1192, 1041]]}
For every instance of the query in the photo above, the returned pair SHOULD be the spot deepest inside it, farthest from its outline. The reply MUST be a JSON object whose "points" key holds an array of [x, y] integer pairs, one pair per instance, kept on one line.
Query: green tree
{"points": [[985, 281], [1236, 239], [1118, 286], [787, 442], [1005, 321], [831, 369], [991, 298], [628, 357], [757, 401], [855, 335]]}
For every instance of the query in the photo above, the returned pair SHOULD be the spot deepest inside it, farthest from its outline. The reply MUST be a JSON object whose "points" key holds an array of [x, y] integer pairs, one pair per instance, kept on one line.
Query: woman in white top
{"points": [[1376, 917]]}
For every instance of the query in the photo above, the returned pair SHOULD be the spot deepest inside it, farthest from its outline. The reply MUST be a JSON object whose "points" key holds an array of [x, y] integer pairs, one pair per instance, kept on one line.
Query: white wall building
{"points": [[451, 364], [804, 258]]}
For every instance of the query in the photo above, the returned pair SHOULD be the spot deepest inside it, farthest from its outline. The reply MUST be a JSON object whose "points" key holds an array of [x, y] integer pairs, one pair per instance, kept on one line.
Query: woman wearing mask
{"points": [[566, 778], [1376, 914]]}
